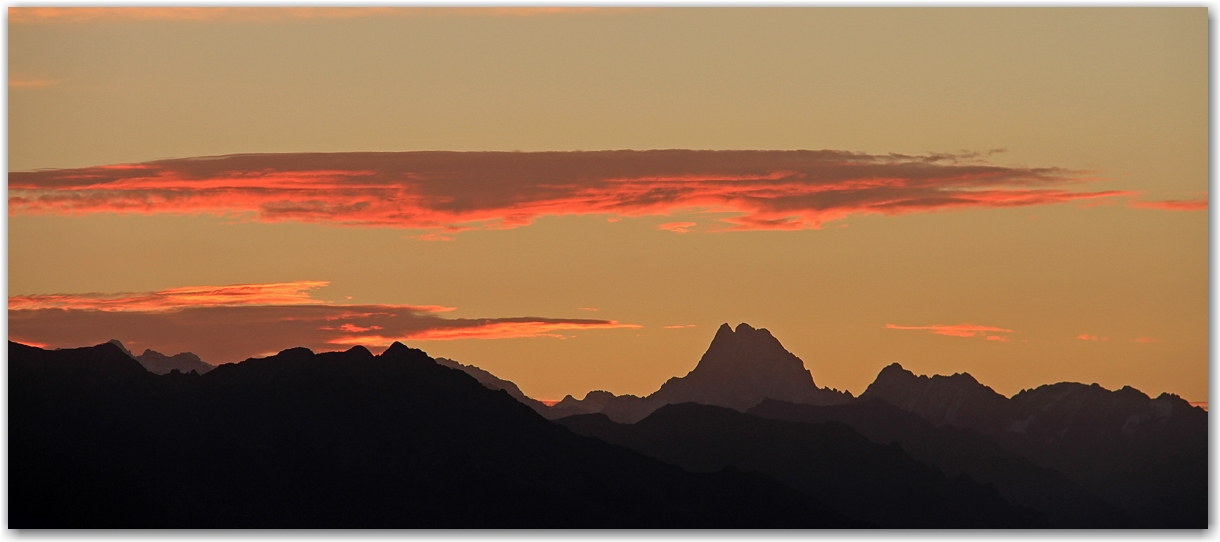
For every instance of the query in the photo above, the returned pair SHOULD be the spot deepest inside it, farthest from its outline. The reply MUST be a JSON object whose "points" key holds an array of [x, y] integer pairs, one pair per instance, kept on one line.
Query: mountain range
{"points": [[1081, 455], [740, 369], [336, 440], [746, 439]]}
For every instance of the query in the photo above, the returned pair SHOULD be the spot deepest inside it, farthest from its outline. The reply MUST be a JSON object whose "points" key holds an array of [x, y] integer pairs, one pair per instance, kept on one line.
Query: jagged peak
{"points": [[396, 349], [965, 377], [745, 332], [895, 370], [119, 344], [895, 367]]}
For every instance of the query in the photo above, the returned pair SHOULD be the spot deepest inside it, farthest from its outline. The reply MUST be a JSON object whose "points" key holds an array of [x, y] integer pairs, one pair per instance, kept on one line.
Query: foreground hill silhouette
{"points": [[1147, 456], [878, 483], [336, 440], [740, 369], [958, 452]]}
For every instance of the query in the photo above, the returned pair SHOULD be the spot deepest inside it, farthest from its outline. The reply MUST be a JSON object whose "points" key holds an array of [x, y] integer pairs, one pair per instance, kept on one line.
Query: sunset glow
{"points": [[633, 267], [1021, 194]]}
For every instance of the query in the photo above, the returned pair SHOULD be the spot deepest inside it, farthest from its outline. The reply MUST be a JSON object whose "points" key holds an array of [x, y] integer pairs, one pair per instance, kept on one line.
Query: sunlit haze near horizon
{"points": [[575, 199]]}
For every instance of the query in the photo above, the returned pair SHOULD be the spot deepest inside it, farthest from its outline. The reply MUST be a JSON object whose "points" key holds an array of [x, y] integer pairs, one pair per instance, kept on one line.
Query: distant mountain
{"points": [[493, 382], [335, 440], [185, 362], [958, 452], [873, 482], [740, 369], [1147, 456]]}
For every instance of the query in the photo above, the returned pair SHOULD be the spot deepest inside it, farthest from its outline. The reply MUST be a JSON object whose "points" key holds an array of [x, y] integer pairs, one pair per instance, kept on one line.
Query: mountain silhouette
{"points": [[184, 362], [877, 483], [956, 452], [335, 440], [1081, 455], [493, 382], [1147, 456], [739, 370]]}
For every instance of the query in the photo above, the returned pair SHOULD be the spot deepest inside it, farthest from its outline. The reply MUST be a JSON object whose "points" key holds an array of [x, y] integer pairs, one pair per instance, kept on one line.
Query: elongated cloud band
{"points": [[230, 323], [959, 330], [452, 191]]}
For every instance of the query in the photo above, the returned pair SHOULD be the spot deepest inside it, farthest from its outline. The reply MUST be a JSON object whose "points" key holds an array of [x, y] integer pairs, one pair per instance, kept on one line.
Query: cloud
{"points": [[230, 323], [432, 237], [27, 82], [34, 15], [283, 293], [1144, 340], [590, 309], [676, 227], [678, 327], [452, 191], [959, 330], [1170, 205], [1087, 337]]}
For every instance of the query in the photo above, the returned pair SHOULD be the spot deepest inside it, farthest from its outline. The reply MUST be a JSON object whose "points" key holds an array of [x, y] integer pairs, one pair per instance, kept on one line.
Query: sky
{"points": [[575, 199]]}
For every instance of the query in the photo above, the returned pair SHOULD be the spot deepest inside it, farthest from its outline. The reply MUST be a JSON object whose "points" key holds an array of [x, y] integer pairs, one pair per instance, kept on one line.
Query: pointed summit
{"points": [[725, 330], [119, 344], [741, 368], [748, 350]]}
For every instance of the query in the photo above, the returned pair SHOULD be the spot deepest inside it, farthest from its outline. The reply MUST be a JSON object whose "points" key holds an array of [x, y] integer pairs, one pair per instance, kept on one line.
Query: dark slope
{"points": [[183, 362], [873, 482], [963, 452], [339, 440], [493, 382], [739, 369], [1147, 456]]}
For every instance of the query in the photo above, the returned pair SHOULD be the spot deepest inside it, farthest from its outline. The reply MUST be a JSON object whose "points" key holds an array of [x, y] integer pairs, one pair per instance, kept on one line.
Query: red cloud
{"points": [[222, 328], [1144, 340], [1087, 337], [18, 81], [676, 227], [959, 330], [451, 191], [284, 293], [1171, 205]]}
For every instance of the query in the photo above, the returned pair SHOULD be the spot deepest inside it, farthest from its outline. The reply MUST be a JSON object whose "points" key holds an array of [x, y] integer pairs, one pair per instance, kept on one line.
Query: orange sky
{"points": [[1016, 193]]}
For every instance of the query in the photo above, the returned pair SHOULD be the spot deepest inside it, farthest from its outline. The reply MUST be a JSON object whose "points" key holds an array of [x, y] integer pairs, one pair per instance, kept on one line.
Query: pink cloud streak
{"points": [[453, 191], [1171, 205], [958, 330], [230, 323]]}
